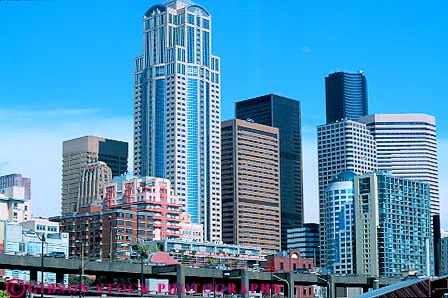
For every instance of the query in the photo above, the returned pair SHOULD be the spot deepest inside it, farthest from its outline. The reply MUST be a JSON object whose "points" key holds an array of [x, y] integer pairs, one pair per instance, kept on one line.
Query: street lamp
{"points": [[42, 239], [329, 294], [283, 280]]}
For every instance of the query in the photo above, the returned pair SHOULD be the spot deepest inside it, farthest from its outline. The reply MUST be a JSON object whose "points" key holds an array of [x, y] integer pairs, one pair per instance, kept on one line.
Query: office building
{"points": [[251, 185], [92, 186], [342, 146], [80, 153], [338, 228], [177, 109], [346, 96], [17, 180], [444, 256], [285, 114], [13, 205], [306, 240], [18, 240], [407, 147], [41, 225], [393, 226]]}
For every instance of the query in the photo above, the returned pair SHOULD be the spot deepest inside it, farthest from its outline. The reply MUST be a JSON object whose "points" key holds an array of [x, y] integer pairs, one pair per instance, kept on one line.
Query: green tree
{"points": [[3, 294]]}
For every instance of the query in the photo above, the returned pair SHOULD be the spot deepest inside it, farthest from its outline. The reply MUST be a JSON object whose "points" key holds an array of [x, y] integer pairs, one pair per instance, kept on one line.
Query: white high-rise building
{"points": [[342, 146], [407, 147], [177, 109]]}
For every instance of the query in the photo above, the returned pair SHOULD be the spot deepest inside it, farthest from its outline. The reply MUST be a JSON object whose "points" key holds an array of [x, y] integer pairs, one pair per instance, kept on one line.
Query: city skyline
{"points": [[109, 126]]}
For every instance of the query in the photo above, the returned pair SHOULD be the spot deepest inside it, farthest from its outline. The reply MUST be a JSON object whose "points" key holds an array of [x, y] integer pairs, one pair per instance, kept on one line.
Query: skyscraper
{"points": [[251, 185], [177, 109], [285, 114], [393, 226], [342, 146], [17, 180], [338, 228], [346, 95], [78, 154], [407, 147]]}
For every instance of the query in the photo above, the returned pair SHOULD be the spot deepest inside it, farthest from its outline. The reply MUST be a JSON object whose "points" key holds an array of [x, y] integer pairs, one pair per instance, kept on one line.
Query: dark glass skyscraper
{"points": [[346, 96], [283, 113]]}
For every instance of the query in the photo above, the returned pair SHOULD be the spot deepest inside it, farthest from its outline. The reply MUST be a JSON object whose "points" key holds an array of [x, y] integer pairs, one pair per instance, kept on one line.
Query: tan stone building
{"points": [[251, 185], [78, 154]]}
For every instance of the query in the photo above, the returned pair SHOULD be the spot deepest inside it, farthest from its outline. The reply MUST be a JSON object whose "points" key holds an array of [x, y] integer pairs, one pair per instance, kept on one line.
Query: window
{"points": [[282, 266]]}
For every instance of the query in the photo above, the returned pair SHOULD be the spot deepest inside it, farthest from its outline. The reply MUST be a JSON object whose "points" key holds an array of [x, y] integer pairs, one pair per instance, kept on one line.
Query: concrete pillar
{"points": [[291, 287], [245, 284], [33, 275], [332, 287], [180, 281], [59, 278]]}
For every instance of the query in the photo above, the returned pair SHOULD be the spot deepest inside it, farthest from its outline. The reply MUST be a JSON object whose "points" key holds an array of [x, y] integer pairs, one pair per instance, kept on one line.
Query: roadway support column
{"points": [[245, 287], [33, 275], [332, 287], [291, 284], [59, 277], [180, 281]]}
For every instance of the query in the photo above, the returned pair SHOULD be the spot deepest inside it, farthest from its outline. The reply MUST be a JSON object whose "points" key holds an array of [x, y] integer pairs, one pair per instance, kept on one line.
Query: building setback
{"points": [[393, 226], [78, 154], [346, 96], [285, 114], [306, 240], [342, 146], [407, 147], [251, 185], [177, 109]]}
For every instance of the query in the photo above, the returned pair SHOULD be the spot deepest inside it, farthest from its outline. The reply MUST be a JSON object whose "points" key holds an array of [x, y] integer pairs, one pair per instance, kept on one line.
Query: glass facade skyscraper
{"points": [[346, 95], [393, 226], [285, 114], [338, 227], [177, 109]]}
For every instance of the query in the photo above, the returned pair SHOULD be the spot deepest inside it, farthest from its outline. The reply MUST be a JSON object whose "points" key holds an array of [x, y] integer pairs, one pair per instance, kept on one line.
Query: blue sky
{"points": [[66, 69]]}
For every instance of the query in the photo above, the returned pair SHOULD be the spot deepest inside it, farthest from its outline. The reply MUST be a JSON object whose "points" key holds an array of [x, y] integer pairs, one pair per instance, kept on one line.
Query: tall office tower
{"points": [[93, 183], [338, 229], [251, 207], [78, 154], [283, 113], [306, 240], [346, 95], [444, 256], [393, 226], [177, 109], [17, 180], [342, 146], [407, 147]]}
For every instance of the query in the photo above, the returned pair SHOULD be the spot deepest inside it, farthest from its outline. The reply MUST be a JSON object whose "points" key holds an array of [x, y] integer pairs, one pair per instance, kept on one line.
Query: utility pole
{"points": [[42, 264]]}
